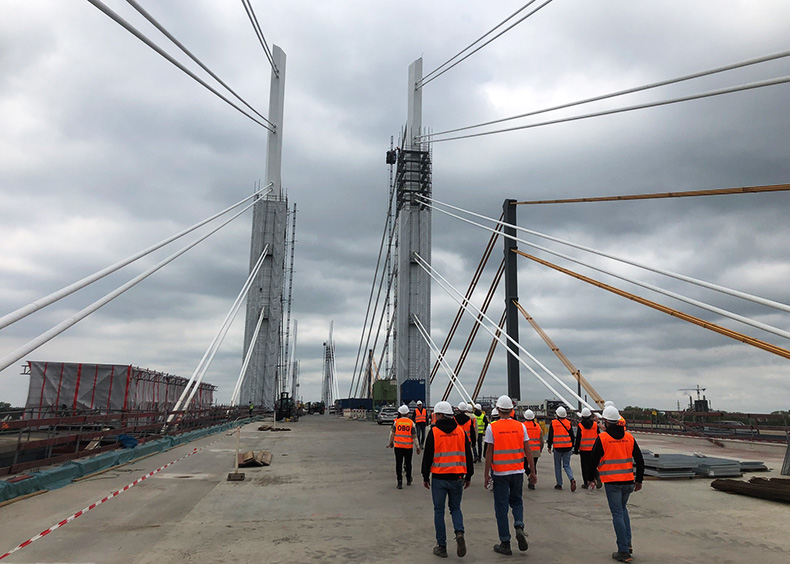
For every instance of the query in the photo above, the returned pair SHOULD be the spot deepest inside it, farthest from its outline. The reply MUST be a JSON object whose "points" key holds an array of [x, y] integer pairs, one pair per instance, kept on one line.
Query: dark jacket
{"points": [[550, 438], [587, 423], [618, 432], [446, 425]]}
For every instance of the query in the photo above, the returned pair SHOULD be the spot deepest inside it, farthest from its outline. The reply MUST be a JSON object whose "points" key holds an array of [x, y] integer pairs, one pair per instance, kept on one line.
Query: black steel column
{"points": [[511, 296]]}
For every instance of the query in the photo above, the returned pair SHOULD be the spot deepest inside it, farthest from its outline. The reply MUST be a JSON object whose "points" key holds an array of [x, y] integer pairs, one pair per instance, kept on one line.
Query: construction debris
{"points": [[260, 458], [773, 489]]}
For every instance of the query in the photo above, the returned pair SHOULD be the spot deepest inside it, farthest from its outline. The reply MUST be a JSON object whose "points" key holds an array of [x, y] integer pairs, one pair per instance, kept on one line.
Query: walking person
{"points": [[507, 449], [447, 462], [482, 423], [587, 432], [619, 461], [468, 425], [421, 421], [561, 440], [402, 435], [535, 434]]}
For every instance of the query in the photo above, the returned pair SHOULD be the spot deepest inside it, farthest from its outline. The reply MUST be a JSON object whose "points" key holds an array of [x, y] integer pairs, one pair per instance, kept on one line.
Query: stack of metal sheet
{"points": [[753, 466], [670, 465], [717, 467]]}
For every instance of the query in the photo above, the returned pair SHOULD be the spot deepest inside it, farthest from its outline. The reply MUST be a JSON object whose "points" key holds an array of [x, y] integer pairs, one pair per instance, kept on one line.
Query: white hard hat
{"points": [[403, 410], [419, 402], [610, 413], [529, 415], [478, 406], [504, 402], [608, 404], [470, 408], [586, 412], [561, 412], [443, 407], [495, 411], [462, 406]]}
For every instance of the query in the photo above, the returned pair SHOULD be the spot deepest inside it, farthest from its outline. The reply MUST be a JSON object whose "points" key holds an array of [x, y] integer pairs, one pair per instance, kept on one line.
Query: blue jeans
{"points": [[562, 460], [420, 433], [617, 496], [507, 493], [452, 490]]}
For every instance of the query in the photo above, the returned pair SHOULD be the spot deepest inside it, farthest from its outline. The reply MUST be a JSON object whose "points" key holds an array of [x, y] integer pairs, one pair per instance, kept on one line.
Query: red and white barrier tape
{"points": [[98, 503]]}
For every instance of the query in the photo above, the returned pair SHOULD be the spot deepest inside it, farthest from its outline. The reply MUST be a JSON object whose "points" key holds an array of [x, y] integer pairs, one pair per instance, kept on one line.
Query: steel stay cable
{"points": [[697, 303], [139, 35], [478, 40], [431, 271], [440, 357], [187, 52], [684, 78], [24, 311], [370, 297], [32, 345], [476, 327], [709, 94], [768, 347], [259, 32], [208, 356], [489, 356], [424, 82], [669, 273], [234, 398]]}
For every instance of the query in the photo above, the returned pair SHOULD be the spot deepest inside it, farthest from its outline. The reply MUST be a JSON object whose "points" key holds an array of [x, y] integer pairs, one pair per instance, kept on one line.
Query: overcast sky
{"points": [[106, 148]]}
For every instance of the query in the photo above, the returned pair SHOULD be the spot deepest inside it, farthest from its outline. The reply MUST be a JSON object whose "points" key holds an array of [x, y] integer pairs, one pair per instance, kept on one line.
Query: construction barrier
{"points": [[59, 476]]}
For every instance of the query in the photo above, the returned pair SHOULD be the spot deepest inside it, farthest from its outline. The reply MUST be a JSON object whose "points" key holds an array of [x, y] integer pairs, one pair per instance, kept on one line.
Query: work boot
{"points": [[521, 537], [558, 487], [584, 486], [440, 550], [460, 544], [503, 548], [573, 485], [408, 482], [622, 556], [400, 485], [598, 483], [531, 486]]}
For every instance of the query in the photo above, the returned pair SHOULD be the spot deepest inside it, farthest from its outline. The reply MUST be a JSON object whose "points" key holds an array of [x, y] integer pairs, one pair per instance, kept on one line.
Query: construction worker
{"points": [[470, 413], [587, 432], [402, 435], [252, 408], [421, 421], [466, 423], [482, 422], [561, 440], [509, 448], [448, 463], [535, 434], [615, 454]]}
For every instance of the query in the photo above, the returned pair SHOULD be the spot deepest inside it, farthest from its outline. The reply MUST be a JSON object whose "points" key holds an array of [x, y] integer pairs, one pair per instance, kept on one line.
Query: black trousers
{"points": [[588, 472], [402, 455]]}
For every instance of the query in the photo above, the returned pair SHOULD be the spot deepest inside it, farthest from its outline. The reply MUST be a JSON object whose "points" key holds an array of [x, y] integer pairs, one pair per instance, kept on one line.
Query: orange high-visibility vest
{"points": [[621, 422], [420, 415], [617, 462], [535, 433], [562, 434], [588, 437], [467, 427], [508, 447], [403, 438], [449, 451], [433, 418]]}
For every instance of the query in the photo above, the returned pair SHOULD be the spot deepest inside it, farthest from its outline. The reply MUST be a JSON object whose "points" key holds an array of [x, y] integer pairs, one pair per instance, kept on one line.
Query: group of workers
{"points": [[455, 441]]}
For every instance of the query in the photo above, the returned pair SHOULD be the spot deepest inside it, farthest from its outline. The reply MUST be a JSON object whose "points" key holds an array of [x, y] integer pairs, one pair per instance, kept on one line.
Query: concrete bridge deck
{"points": [[330, 496]]}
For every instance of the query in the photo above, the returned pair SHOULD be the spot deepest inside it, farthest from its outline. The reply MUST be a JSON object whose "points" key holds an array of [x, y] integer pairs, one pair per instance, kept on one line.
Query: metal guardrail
{"points": [[34, 443]]}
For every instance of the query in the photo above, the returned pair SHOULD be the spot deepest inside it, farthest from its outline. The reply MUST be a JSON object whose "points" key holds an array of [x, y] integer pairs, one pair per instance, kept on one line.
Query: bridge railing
{"points": [[32, 443]]}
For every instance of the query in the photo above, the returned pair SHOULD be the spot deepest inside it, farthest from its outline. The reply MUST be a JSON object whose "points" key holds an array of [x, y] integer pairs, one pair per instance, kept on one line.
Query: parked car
{"points": [[387, 415]]}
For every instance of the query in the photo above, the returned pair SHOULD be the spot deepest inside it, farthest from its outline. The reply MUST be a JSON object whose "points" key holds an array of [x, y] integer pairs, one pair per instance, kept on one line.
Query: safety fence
{"points": [[713, 425], [34, 443]]}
